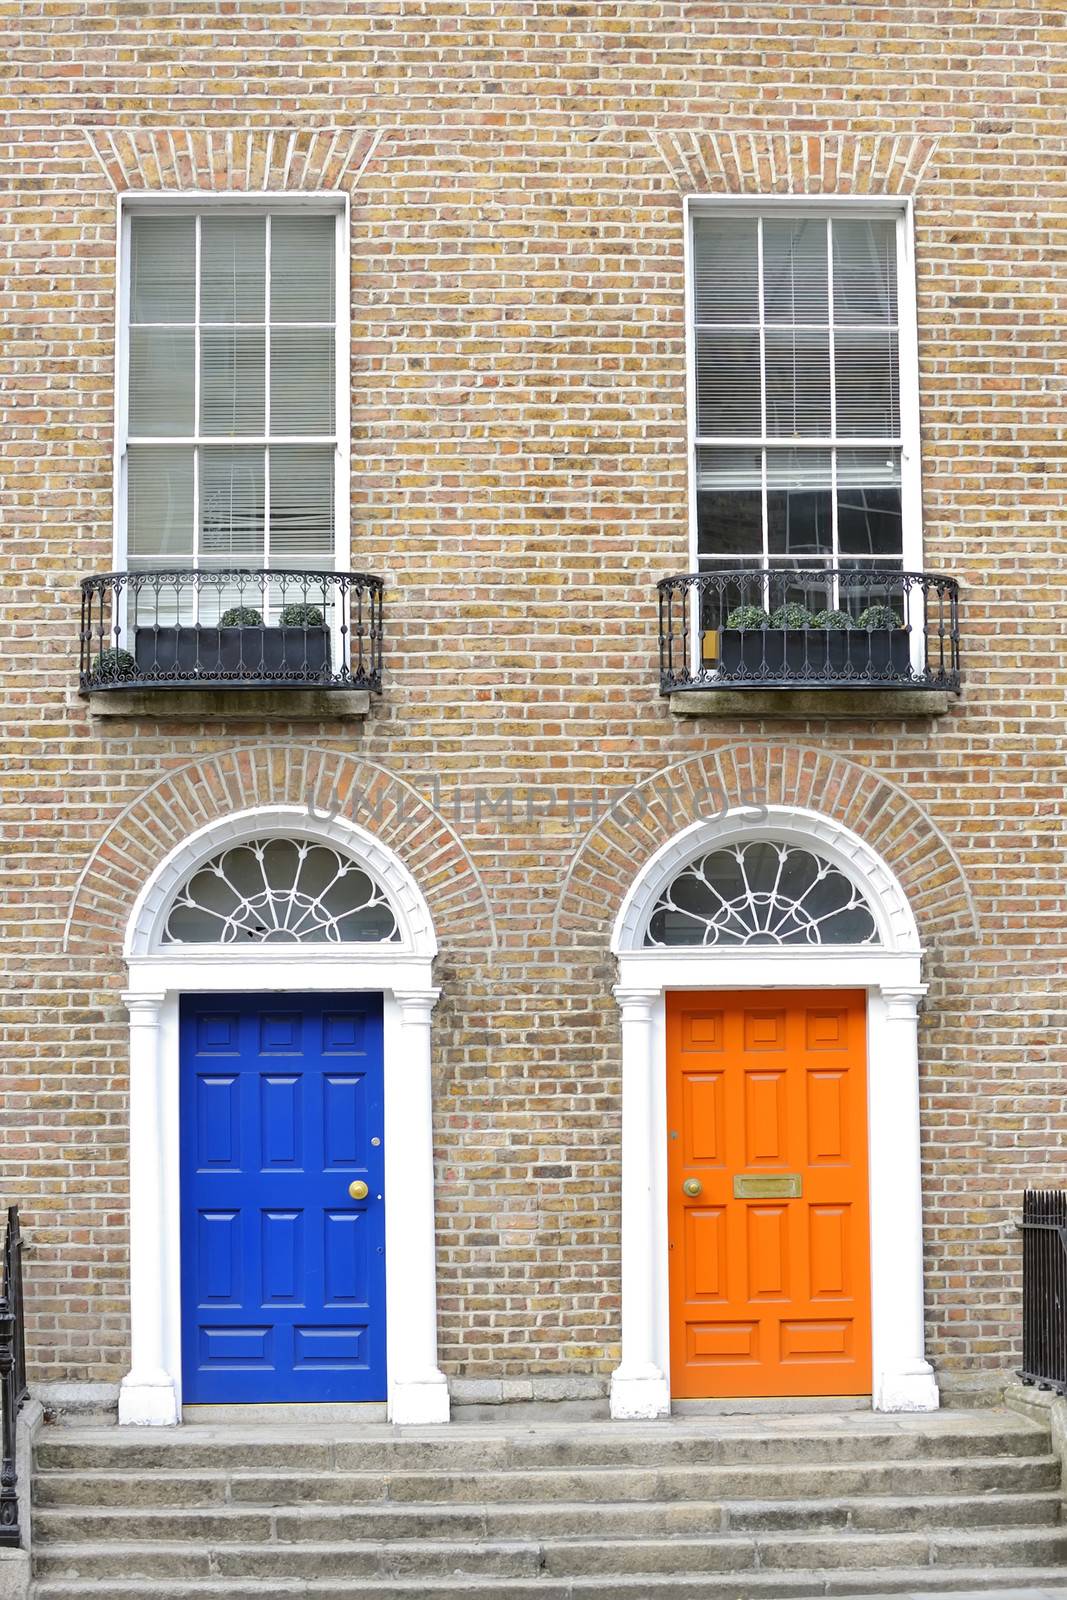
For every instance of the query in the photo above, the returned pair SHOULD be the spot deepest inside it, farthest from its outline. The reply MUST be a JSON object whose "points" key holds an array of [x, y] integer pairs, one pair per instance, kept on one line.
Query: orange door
{"points": [[767, 1185]]}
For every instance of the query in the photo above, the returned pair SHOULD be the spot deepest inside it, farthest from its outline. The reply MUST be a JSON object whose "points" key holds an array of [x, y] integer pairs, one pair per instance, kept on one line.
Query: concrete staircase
{"points": [[841, 1503]]}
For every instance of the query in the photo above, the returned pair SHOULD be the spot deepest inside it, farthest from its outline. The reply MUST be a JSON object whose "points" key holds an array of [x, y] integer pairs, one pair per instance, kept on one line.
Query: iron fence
{"points": [[1044, 1227], [12, 1376]]}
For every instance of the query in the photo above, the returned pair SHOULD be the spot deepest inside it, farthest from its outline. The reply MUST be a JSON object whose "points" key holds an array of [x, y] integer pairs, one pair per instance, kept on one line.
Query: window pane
{"points": [[159, 503], [725, 269], [232, 269], [301, 380], [231, 381], [162, 269], [161, 382], [799, 504], [728, 386], [729, 502], [869, 519], [231, 503], [301, 504], [798, 383], [302, 269], [794, 270], [868, 388], [865, 272]]}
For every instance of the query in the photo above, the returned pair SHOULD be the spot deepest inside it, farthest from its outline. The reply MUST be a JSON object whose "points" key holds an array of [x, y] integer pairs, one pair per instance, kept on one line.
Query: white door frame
{"points": [[158, 976], [891, 974]]}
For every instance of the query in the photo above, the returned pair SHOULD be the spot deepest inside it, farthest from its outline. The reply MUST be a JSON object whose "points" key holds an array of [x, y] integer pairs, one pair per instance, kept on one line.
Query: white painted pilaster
{"points": [[418, 1390], [638, 1385], [903, 1378], [147, 1395]]}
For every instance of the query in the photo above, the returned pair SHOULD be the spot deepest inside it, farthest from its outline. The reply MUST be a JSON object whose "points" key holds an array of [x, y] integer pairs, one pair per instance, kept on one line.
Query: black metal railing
{"points": [[1044, 1228], [808, 627], [12, 1376], [234, 628]]}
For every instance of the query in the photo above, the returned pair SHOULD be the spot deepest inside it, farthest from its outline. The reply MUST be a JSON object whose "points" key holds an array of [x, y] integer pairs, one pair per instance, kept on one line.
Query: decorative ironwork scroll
{"points": [[280, 890], [761, 893]]}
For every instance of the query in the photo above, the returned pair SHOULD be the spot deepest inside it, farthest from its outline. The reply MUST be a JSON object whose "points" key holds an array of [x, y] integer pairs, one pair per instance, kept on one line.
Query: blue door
{"points": [[283, 1272]]}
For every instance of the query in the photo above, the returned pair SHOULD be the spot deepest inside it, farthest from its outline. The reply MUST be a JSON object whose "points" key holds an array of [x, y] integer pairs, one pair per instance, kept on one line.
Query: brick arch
{"points": [[758, 162], [232, 160], [617, 848], [210, 788]]}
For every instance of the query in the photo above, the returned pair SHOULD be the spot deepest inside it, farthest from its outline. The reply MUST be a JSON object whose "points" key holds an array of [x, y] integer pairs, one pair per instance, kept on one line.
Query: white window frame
{"points": [[189, 202], [855, 208]]}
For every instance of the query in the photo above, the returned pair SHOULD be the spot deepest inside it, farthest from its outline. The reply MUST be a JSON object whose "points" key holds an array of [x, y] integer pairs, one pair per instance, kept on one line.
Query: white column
{"points": [[418, 1390], [147, 1395], [903, 1378], [638, 1386]]}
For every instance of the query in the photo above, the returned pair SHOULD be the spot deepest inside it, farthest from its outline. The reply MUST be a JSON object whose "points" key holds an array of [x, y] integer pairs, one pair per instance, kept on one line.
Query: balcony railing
{"points": [[231, 628], [809, 628]]}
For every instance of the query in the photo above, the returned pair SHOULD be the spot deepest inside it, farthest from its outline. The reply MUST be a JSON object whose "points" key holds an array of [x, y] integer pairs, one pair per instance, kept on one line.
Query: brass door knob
{"points": [[358, 1190], [692, 1187]]}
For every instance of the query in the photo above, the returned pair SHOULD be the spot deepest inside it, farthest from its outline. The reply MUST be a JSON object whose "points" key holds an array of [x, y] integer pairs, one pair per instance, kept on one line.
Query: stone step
{"points": [[198, 1487], [814, 1439], [554, 1558], [558, 1519], [851, 1585]]}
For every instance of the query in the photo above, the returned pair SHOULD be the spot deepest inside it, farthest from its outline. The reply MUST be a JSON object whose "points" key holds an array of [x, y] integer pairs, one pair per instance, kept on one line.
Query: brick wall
{"points": [[519, 479]]}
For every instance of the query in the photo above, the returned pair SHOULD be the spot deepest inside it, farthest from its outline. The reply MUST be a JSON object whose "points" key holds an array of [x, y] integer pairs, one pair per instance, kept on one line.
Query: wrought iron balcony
{"points": [[809, 627], [231, 628]]}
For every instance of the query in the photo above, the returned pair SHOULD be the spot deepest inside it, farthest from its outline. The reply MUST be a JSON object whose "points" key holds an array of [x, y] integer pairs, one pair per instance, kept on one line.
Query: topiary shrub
{"points": [[302, 616], [791, 616], [878, 617], [241, 617], [114, 664], [747, 618], [831, 619]]}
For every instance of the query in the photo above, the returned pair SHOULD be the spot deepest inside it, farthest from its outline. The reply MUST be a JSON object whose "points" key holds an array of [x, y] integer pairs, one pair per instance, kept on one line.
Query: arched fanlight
{"points": [[280, 891], [761, 893]]}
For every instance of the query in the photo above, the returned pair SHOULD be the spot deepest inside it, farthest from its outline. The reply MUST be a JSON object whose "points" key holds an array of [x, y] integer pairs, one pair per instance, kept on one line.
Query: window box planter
{"points": [[233, 654], [823, 655]]}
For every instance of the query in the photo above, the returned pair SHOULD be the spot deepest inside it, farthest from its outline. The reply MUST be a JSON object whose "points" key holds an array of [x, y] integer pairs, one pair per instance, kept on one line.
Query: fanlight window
{"points": [[761, 893], [280, 891]]}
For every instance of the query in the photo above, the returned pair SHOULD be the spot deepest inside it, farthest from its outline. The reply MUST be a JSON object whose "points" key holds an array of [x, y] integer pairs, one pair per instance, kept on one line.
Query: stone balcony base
{"points": [[875, 705], [232, 705]]}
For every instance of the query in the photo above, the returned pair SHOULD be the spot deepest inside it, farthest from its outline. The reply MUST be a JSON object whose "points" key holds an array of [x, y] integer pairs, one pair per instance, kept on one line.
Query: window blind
{"points": [[231, 428], [797, 386]]}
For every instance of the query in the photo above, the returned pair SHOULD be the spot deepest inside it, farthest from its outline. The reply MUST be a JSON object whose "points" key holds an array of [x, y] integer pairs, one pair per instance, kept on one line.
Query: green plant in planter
{"points": [[114, 664], [241, 617], [747, 618], [878, 617], [791, 616], [301, 616], [832, 619]]}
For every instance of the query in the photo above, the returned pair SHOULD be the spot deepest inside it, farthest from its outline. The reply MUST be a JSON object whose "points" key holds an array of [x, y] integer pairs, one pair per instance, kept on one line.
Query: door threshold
{"points": [[771, 1405], [293, 1411]]}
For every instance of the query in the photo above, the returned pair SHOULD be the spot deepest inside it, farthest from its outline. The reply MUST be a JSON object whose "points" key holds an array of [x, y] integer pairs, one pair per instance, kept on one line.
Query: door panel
{"points": [[283, 1274], [769, 1291]]}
